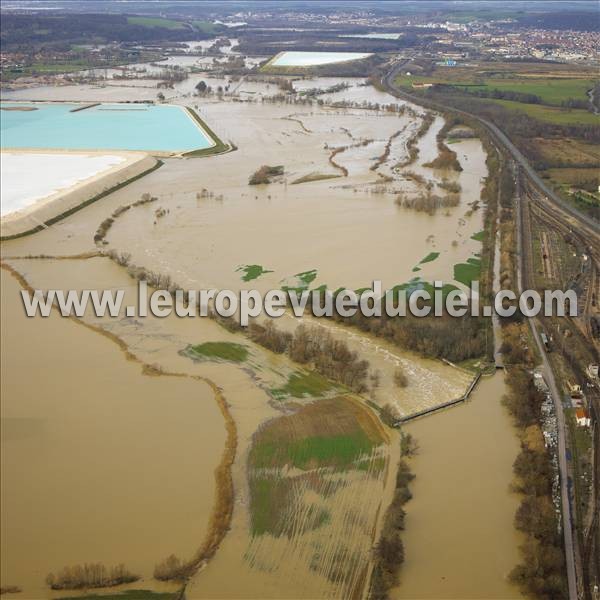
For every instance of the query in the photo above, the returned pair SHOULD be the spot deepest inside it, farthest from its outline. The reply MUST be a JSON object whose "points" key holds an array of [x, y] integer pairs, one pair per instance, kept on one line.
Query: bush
{"points": [[264, 174], [89, 575], [400, 378], [173, 569]]}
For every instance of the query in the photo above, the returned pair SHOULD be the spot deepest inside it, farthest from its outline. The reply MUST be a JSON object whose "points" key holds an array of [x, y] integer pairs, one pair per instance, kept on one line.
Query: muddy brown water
{"points": [[460, 541], [201, 242], [95, 455]]}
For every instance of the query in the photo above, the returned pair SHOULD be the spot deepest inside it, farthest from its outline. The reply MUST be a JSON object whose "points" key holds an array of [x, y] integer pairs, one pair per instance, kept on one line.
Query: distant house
{"points": [[422, 85], [582, 417]]}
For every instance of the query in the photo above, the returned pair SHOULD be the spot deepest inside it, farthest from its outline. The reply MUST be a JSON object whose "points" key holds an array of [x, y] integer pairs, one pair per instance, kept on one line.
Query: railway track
{"points": [[587, 242]]}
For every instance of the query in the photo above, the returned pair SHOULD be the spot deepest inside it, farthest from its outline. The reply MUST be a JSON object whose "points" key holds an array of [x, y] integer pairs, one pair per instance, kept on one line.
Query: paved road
{"points": [[503, 140], [501, 137]]}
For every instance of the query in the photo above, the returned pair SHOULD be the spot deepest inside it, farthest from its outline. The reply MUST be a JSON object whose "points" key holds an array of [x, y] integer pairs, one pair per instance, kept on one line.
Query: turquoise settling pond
{"points": [[103, 127]]}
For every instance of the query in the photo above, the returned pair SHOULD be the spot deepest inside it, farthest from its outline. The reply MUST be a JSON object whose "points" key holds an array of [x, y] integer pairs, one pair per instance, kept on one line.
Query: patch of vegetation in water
{"points": [[252, 271], [314, 177], [429, 258], [126, 595], [416, 283], [227, 351], [302, 384], [467, 272], [479, 236], [302, 281]]}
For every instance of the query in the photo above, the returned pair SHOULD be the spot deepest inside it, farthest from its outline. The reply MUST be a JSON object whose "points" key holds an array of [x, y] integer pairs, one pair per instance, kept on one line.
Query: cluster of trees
{"points": [[313, 92], [446, 158], [389, 554], [428, 201], [316, 347], [22, 30], [104, 227], [89, 575], [386, 152], [264, 174], [541, 573], [503, 95], [174, 569], [411, 145], [451, 338]]}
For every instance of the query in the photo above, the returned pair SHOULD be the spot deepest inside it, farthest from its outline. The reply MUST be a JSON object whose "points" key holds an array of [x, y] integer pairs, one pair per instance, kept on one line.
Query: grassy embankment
{"points": [[219, 146]]}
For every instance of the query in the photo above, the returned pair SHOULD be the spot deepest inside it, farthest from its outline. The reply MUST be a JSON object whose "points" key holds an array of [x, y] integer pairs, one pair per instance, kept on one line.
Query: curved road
{"points": [[502, 139]]}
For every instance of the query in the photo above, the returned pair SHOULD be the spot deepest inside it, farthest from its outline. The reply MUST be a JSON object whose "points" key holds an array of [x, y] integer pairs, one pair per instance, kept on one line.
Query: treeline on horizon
{"points": [[21, 30]]}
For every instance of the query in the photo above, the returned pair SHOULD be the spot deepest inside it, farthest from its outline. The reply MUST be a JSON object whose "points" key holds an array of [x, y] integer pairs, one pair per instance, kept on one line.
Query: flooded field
{"points": [[336, 213], [90, 471], [460, 542]]}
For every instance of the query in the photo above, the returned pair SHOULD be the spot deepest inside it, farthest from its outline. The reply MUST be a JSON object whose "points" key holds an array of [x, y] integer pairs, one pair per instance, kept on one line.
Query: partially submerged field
{"points": [[316, 485]]}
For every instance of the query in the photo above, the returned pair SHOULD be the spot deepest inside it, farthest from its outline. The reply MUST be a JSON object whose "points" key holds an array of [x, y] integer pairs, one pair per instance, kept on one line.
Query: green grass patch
{"points": [[207, 26], [228, 351], [126, 595], [430, 258], [478, 365], [467, 272], [155, 22], [551, 114], [479, 236], [338, 451], [302, 384], [551, 91], [252, 271]]}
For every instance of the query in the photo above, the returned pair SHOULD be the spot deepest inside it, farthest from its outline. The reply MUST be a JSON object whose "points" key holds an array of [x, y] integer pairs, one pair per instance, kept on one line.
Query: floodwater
{"points": [[349, 229], [99, 462], [460, 541]]}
